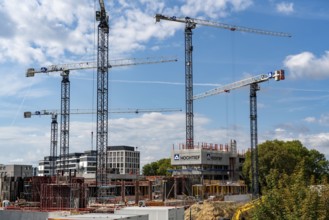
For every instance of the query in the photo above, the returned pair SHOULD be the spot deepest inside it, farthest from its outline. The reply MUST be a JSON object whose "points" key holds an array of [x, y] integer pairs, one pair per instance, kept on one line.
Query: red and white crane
{"points": [[253, 83]]}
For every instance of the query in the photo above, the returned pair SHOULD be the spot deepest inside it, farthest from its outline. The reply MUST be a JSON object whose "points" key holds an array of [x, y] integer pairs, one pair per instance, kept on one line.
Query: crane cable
{"points": [[93, 83], [234, 80], [231, 133]]}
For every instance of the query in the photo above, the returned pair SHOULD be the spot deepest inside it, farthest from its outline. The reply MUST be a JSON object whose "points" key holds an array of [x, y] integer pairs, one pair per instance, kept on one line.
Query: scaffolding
{"points": [[36, 183], [64, 195], [27, 190]]}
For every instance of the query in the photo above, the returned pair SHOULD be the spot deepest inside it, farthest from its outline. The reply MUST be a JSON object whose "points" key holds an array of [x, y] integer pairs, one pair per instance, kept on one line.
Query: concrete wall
{"points": [[19, 215], [238, 198], [156, 212], [100, 216], [19, 170], [32, 215]]}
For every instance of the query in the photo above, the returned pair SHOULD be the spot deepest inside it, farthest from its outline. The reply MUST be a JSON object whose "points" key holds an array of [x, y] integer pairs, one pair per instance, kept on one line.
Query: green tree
{"points": [[164, 165], [284, 157], [156, 168], [317, 165], [150, 169], [293, 197]]}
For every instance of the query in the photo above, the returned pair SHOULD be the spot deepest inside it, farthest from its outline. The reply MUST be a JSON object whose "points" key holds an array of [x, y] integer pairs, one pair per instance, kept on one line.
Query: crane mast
{"points": [[102, 96], [190, 24], [53, 144], [189, 84], [254, 87], [65, 122]]}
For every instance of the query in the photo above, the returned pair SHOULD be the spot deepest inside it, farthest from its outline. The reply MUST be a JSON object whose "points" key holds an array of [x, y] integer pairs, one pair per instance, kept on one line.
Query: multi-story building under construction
{"points": [[207, 170], [208, 161]]}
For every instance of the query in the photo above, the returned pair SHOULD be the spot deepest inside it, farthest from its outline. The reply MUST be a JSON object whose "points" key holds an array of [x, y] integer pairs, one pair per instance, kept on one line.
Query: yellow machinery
{"points": [[238, 215]]}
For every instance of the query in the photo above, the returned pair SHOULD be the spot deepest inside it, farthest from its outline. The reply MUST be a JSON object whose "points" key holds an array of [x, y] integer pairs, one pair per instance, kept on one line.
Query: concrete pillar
{"points": [[164, 190], [136, 192], [175, 187], [150, 191], [123, 190]]}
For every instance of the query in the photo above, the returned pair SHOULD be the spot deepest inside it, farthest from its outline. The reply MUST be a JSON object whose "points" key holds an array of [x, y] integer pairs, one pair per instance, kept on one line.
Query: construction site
{"points": [[72, 194], [110, 184]]}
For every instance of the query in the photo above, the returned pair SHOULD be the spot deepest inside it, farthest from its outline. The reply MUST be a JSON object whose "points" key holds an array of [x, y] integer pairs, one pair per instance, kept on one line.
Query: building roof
{"points": [[122, 147]]}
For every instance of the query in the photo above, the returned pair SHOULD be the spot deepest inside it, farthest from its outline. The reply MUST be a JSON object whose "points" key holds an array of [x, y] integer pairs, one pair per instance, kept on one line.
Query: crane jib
{"points": [[196, 21]]}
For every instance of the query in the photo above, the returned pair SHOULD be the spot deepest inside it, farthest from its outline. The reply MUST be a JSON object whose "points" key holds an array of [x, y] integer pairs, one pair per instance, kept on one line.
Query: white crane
{"points": [[190, 24], [253, 83], [93, 65], [64, 70]]}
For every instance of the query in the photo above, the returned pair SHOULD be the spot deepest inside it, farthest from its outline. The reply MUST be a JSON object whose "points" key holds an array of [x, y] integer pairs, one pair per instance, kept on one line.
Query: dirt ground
{"points": [[211, 210]]}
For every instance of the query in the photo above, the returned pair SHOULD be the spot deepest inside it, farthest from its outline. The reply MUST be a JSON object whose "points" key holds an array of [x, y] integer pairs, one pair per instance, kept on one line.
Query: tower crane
{"points": [[102, 96], [53, 136], [64, 70], [54, 125], [190, 24], [253, 83]]}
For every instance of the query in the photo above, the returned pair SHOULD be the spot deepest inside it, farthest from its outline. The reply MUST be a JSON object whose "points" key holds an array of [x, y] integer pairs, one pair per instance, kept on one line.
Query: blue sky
{"points": [[38, 33]]}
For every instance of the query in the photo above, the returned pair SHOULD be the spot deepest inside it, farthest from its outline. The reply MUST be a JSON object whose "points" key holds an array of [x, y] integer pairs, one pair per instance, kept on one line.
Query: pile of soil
{"points": [[212, 210]]}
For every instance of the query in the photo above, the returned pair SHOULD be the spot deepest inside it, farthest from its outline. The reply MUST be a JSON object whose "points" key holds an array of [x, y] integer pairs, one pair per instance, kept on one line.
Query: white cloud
{"points": [[307, 65], [13, 88], [30, 144], [279, 130], [49, 31], [214, 9], [285, 7], [288, 132], [322, 120], [153, 133], [310, 119], [46, 30], [319, 142], [132, 24], [133, 28]]}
